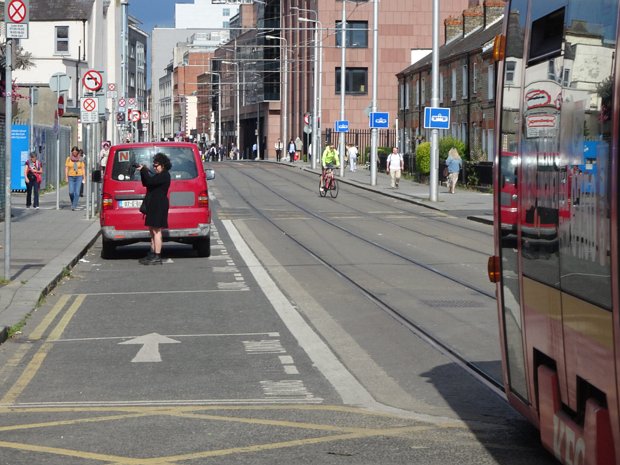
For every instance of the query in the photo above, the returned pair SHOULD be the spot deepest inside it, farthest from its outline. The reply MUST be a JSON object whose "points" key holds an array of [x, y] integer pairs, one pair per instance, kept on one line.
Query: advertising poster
{"points": [[20, 140]]}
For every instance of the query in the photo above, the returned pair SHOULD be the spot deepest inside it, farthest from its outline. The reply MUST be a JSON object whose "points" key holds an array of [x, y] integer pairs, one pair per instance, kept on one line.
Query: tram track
{"points": [[415, 328], [429, 218]]}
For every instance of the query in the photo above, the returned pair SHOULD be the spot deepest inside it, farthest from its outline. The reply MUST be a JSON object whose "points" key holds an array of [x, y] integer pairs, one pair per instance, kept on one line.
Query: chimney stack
{"points": [[472, 18], [453, 28], [493, 9]]}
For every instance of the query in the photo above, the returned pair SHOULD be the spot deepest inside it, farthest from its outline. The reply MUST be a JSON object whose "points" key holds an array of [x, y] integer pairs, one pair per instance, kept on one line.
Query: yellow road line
{"points": [[49, 424], [262, 421], [39, 330], [37, 360], [74, 453], [286, 444], [20, 353]]}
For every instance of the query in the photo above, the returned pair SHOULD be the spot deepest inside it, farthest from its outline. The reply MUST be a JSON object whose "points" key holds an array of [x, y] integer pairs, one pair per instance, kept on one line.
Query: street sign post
{"points": [[92, 80], [17, 18], [341, 126], [436, 118], [89, 110], [379, 120], [111, 93], [59, 82]]}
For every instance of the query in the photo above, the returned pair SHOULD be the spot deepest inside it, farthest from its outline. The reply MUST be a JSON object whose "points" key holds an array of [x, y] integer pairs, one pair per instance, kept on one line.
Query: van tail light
{"points": [[493, 269], [499, 47], [203, 199], [106, 201]]}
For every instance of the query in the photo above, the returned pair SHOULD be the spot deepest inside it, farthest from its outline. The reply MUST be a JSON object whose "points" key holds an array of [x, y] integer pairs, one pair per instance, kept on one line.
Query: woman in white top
{"points": [[353, 158]]}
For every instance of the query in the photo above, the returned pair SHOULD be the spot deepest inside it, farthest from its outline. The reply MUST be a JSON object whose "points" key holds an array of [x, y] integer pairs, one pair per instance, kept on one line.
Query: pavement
{"points": [[46, 243]]}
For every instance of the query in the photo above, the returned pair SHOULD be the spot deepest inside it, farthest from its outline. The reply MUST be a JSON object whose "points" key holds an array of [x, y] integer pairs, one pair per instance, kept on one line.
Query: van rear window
{"points": [[182, 159]]}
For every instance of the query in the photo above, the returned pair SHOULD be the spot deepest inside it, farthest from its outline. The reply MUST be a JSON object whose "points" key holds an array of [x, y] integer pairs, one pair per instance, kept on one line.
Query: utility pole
{"points": [[343, 73], [124, 48], [435, 103], [375, 64], [8, 101]]}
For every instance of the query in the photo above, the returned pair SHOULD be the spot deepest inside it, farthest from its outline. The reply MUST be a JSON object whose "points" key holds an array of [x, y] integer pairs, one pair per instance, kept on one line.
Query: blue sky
{"points": [[154, 12]]}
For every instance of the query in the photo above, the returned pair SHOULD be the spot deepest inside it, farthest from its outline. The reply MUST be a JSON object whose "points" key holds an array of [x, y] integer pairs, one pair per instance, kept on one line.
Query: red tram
{"points": [[556, 259]]}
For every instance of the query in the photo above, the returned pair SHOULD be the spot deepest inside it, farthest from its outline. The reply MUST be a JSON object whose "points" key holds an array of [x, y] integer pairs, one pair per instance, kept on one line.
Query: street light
{"points": [[219, 106], [318, 82], [343, 72], [285, 86], [238, 95]]}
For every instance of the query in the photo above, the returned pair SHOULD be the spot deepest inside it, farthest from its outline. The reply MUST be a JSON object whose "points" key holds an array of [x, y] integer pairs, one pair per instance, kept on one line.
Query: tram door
{"points": [[510, 162], [556, 145]]}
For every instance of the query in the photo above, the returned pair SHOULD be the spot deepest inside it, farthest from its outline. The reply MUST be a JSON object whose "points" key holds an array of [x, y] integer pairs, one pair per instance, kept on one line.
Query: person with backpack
{"points": [[395, 165]]}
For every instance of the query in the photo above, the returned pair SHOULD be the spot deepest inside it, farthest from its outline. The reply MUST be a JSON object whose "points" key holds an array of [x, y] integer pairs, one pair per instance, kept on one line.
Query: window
{"points": [[566, 77], [474, 83], [226, 25], [356, 34], [491, 82], [226, 12], [423, 91], [453, 83], [511, 66], [417, 93], [62, 39], [465, 82], [132, 52], [407, 87], [551, 70], [356, 81], [441, 82]]}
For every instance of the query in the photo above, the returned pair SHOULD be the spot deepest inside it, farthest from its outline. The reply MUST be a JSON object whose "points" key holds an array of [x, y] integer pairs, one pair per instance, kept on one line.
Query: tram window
{"points": [[547, 36]]}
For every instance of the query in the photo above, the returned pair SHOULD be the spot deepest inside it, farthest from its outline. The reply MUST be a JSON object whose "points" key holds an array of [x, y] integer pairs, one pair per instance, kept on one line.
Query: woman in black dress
{"points": [[155, 204]]}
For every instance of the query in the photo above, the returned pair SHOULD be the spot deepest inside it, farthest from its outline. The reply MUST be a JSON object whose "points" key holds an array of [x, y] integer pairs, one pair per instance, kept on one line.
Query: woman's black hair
{"points": [[163, 160]]}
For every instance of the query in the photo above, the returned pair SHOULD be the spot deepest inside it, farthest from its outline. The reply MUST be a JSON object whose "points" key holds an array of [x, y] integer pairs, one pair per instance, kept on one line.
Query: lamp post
{"points": [[285, 90], [343, 72], [316, 91], [238, 95], [219, 106]]}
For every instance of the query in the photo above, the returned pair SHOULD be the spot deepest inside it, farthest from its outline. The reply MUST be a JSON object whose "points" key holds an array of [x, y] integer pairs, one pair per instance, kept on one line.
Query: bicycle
{"points": [[327, 182]]}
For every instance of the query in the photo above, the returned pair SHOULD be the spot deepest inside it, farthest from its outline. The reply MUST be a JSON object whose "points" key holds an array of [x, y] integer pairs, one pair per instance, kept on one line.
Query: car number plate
{"points": [[129, 203]]}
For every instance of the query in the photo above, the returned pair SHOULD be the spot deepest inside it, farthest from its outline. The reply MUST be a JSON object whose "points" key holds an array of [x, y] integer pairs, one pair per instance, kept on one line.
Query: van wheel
{"points": [[107, 250], [203, 247]]}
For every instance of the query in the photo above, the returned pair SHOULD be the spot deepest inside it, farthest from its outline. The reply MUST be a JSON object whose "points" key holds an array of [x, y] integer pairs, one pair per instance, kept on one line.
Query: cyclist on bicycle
{"points": [[329, 159]]}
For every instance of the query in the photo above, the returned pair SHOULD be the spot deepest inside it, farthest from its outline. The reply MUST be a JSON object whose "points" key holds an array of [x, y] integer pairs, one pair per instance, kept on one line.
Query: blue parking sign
{"points": [[436, 118], [379, 120], [341, 126]]}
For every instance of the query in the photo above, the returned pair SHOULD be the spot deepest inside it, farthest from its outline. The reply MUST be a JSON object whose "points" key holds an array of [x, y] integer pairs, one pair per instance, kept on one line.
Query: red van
{"points": [[189, 216]]}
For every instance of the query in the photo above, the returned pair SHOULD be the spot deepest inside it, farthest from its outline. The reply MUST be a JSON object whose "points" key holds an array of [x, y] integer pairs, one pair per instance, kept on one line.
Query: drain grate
{"points": [[452, 303]]}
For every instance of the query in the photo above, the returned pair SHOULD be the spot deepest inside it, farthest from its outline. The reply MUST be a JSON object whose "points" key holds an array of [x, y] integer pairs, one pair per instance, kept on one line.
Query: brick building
{"points": [[467, 79]]}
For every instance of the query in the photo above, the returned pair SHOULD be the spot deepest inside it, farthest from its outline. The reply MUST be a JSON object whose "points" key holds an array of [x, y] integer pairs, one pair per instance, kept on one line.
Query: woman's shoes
{"points": [[151, 258]]}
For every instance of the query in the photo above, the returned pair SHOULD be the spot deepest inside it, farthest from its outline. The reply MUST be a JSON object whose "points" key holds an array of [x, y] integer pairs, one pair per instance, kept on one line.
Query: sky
{"points": [[154, 12]]}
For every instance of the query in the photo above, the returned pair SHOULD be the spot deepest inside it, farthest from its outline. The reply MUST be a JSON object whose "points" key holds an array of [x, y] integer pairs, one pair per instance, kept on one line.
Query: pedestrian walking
{"points": [[83, 158], [454, 164], [353, 158], [278, 146], [155, 204], [103, 154], [291, 151], [254, 151], [74, 174], [395, 165], [33, 174]]}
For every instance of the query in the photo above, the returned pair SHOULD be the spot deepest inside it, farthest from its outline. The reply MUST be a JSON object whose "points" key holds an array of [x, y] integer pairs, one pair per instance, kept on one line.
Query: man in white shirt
{"points": [[395, 165]]}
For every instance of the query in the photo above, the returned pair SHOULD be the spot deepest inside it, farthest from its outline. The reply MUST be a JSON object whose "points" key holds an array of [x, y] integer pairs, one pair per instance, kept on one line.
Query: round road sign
{"points": [[92, 80], [17, 11], [89, 104]]}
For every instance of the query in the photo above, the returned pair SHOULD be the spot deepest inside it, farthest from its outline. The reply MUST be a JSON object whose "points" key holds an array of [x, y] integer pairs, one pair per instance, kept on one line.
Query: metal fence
{"points": [[362, 138]]}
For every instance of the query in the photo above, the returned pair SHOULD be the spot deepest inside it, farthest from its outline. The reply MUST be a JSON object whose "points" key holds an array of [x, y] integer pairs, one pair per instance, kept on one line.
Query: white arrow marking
{"points": [[150, 347]]}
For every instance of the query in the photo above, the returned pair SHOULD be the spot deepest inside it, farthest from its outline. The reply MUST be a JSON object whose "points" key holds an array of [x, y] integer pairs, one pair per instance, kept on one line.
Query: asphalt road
{"points": [[292, 343]]}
